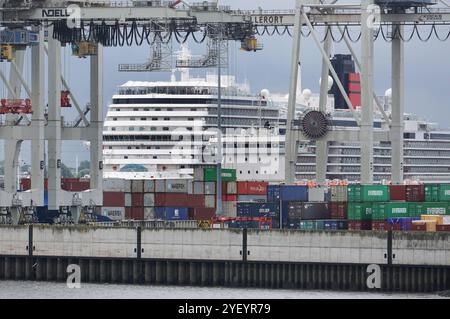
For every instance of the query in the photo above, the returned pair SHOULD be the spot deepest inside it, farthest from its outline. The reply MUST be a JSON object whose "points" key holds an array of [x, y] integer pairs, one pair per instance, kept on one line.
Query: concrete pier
{"points": [[279, 259]]}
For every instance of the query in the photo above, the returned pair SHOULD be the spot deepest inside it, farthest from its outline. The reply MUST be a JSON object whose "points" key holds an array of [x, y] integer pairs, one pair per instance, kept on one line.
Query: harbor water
{"points": [[50, 290]]}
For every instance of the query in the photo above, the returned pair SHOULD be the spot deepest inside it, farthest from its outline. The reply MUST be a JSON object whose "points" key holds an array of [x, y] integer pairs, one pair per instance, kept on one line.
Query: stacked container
{"points": [[114, 199]]}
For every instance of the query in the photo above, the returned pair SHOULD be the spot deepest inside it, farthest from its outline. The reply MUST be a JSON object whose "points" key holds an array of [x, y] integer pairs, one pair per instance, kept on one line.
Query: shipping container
{"points": [[137, 213], [338, 210], [127, 185], [114, 213], [210, 201], [160, 185], [114, 199], [306, 210], [252, 188], [430, 225], [199, 188], [128, 202], [210, 175], [359, 225], [229, 198], [252, 198], [113, 185], [393, 210], [202, 213], [149, 213], [437, 218], [149, 186], [368, 193], [195, 201], [137, 199], [409, 193], [445, 228], [318, 194], [171, 199], [338, 193], [273, 193], [137, 186], [128, 212], [380, 225], [229, 208], [437, 192], [397, 192], [176, 186], [198, 174], [359, 211], [172, 213], [210, 188], [334, 224], [433, 208], [401, 224], [294, 193], [418, 227], [149, 199], [231, 188]]}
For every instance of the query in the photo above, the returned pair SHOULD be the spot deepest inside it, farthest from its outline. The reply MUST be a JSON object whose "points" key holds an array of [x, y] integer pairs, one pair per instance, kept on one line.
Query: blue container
{"points": [[294, 193], [271, 210], [404, 222], [172, 213], [45, 198], [273, 193], [335, 224]]}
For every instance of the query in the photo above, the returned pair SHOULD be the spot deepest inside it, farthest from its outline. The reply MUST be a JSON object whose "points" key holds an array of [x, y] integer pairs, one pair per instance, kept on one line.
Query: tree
{"points": [[65, 171], [84, 168]]}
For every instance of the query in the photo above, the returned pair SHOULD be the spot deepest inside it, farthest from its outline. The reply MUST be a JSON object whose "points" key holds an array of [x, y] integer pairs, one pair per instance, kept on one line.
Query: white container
{"points": [[210, 188], [190, 187], [128, 200], [115, 213], [160, 186], [229, 209], [114, 185], [137, 186], [317, 194], [127, 184], [149, 199], [231, 188], [210, 201], [176, 186], [199, 188], [149, 186], [198, 174], [446, 219], [338, 193], [149, 213]]}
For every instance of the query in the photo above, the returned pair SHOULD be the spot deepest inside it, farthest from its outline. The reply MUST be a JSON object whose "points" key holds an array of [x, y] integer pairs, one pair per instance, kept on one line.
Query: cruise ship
{"points": [[165, 129]]}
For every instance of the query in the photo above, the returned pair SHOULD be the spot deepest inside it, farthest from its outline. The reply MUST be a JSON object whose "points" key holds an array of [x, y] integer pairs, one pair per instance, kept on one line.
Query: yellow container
{"points": [[439, 219], [430, 224]]}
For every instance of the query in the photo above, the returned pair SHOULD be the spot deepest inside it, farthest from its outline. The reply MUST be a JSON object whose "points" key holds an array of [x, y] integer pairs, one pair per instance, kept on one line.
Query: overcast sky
{"points": [[427, 71]]}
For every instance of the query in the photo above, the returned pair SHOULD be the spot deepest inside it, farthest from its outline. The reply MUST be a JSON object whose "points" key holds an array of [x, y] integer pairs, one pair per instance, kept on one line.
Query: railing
{"points": [[152, 224]]}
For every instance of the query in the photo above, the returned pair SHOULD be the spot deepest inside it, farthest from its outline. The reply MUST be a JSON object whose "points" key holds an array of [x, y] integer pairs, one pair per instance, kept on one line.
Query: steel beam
{"points": [[54, 123], [397, 126], [96, 139], [38, 119], [322, 146], [366, 93], [290, 142]]}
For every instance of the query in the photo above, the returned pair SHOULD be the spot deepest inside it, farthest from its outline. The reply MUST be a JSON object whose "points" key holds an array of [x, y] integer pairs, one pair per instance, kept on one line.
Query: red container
{"points": [[338, 210], [380, 225], [137, 199], [171, 199], [252, 188], [443, 228], [128, 213], [113, 199], [415, 193], [25, 184], [397, 192], [75, 185], [419, 227], [229, 198], [137, 213], [359, 225], [202, 213], [195, 201], [354, 77]]}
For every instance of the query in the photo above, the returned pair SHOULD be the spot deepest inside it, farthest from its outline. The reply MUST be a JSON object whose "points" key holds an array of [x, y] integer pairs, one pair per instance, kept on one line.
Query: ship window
{"points": [[125, 157], [143, 119], [158, 109], [114, 118], [113, 129], [129, 147], [249, 172], [166, 119], [153, 128], [189, 128], [190, 118], [131, 128], [135, 109], [169, 109], [240, 172], [146, 109], [165, 128], [256, 172], [193, 109], [155, 157], [154, 118], [132, 119]]}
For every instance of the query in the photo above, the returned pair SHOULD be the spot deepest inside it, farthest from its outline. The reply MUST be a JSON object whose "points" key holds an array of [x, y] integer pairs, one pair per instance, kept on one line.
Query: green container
{"points": [[433, 208], [381, 211], [307, 225], [437, 193], [359, 211], [228, 175], [368, 193]]}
